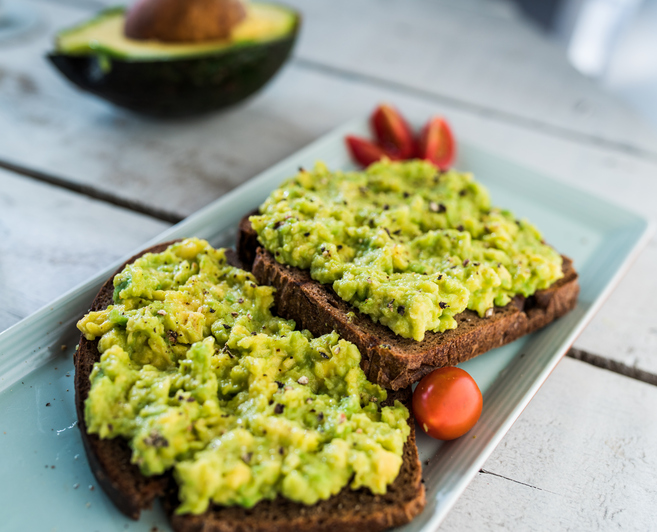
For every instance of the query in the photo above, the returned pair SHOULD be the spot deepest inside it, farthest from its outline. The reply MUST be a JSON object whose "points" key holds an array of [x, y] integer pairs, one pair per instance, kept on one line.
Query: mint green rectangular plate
{"points": [[47, 484]]}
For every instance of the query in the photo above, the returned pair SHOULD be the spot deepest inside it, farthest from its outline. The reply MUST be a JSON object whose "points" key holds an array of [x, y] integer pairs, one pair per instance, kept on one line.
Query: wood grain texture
{"points": [[436, 47], [479, 59], [581, 456], [184, 165], [625, 328], [52, 240]]}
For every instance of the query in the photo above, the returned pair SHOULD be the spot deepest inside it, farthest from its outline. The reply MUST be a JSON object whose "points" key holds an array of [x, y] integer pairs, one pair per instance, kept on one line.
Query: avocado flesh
{"points": [[103, 35]]}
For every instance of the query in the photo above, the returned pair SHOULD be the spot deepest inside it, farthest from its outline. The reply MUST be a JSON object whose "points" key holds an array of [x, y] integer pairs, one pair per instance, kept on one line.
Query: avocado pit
{"points": [[183, 20]]}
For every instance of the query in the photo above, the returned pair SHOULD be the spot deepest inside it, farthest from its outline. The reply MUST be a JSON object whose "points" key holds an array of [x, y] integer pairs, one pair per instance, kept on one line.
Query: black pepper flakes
{"points": [[47, 404], [442, 304], [324, 355], [173, 337], [279, 384], [320, 417], [155, 439], [460, 227], [466, 262], [278, 409], [401, 309], [240, 300], [307, 233]]}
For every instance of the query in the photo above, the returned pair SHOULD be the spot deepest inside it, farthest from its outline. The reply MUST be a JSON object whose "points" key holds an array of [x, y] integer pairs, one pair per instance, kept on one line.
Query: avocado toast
{"points": [[412, 265], [118, 468]]}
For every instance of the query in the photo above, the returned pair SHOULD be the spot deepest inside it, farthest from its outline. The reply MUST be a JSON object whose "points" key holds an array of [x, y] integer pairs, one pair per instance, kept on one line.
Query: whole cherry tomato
{"points": [[447, 403]]}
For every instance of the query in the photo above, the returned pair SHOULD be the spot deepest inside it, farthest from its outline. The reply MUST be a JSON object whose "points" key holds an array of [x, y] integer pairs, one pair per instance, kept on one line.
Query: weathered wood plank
{"points": [[182, 165], [580, 457], [582, 450], [497, 64], [625, 328], [88, 141], [51, 240], [85, 140], [438, 47]]}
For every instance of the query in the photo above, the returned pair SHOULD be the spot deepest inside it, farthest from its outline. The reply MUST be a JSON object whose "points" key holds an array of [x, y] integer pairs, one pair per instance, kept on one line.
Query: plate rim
{"points": [[641, 229]]}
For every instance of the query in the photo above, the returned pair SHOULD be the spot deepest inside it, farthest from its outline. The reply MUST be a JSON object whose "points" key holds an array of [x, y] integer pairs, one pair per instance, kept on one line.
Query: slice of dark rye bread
{"points": [[350, 510], [387, 359]]}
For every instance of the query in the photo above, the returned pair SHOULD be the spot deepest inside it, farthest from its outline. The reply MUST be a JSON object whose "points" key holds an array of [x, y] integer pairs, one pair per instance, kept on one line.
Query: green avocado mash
{"points": [[198, 376], [407, 245]]}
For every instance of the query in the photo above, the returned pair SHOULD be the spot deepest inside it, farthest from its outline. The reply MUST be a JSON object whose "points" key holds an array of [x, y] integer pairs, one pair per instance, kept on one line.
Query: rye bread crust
{"points": [[109, 460], [390, 360], [348, 511], [131, 492]]}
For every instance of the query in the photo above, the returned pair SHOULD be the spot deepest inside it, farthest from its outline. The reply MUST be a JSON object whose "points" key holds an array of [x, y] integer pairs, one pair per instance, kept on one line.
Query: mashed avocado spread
{"points": [[198, 376], [407, 245]]}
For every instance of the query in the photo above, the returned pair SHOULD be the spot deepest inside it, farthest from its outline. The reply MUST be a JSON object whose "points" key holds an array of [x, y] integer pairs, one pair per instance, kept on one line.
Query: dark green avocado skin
{"points": [[179, 87]]}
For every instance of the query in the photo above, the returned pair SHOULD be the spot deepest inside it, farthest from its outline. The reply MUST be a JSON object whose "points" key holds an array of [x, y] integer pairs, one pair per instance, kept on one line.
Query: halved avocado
{"points": [[176, 79]]}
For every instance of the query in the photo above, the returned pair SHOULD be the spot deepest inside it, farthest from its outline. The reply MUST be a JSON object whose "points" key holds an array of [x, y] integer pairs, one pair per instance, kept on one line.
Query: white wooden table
{"points": [[583, 454]]}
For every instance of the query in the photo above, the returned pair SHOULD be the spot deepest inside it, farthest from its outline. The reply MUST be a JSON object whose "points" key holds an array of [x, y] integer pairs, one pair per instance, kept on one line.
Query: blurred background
{"points": [[612, 41]]}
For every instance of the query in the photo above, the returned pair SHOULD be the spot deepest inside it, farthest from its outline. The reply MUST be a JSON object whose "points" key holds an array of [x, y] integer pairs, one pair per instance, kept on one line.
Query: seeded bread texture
{"points": [[390, 360], [131, 492]]}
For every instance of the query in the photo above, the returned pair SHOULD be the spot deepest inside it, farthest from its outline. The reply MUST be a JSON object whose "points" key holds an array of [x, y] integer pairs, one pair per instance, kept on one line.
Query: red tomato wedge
{"points": [[392, 132], [437, 143], [447, 403], [364, 151]]}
